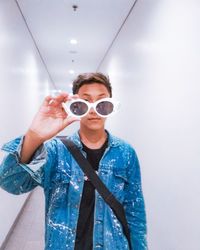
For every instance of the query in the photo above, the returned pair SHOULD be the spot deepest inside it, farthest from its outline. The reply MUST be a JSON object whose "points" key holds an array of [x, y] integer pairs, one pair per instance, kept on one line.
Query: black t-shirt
{"points": [[84, 232]]}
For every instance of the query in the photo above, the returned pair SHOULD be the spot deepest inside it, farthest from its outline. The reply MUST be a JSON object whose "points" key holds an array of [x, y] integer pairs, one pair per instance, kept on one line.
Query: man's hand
{"points": [[48, 122], [51, 117]]}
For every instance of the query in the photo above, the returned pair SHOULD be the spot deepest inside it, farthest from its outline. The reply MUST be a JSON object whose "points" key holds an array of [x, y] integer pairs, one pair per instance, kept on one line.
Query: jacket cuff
{"points": [[14, 146], [38, 159]]}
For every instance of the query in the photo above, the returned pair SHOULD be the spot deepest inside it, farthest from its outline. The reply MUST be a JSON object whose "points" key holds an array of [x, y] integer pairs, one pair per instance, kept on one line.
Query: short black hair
{"points": [[89, 78]]}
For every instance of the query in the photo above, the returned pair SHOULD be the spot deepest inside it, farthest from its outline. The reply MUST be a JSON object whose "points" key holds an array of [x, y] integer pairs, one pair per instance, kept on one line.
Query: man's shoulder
{"points": [[121, 143]]}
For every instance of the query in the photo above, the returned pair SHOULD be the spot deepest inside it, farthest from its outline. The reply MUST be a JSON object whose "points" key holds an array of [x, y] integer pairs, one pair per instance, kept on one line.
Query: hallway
{"points": [[150, 50], [28, 233]]}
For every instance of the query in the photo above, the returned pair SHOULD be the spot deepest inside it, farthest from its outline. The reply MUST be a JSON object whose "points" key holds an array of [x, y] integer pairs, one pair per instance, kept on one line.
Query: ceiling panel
{"points": [[94, 24]]}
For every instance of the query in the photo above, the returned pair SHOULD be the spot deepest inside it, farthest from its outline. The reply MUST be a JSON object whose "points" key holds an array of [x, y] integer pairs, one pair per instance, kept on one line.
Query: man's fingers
{"points": [[55, 100], [47, 100], [58, 100], [61, 97], [71, 97], [70, 119], [75, 96]]}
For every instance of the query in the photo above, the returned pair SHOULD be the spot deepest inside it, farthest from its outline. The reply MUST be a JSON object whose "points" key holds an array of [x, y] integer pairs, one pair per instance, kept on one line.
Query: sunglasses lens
{"points": [[78, 108], [105, 108]]}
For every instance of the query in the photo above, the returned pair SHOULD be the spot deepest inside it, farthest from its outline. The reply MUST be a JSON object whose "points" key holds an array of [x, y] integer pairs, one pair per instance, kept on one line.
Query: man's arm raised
{"points": [[48, 122]]}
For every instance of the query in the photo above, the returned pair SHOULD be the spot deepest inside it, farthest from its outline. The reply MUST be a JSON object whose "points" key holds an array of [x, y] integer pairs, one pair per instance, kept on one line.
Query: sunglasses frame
{"points": [[90, 105]]}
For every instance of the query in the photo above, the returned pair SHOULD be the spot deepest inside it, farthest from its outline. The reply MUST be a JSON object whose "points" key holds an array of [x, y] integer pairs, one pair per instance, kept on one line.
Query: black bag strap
{"points": [[109, 198]]}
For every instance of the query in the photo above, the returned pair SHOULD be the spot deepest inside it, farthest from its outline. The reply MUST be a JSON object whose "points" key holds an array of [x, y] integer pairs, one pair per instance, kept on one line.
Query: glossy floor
{"points": [[29, 231]]}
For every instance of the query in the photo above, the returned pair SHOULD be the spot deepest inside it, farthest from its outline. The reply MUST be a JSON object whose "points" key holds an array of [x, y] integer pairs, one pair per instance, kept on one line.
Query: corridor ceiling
{"points": [[53, 24]]}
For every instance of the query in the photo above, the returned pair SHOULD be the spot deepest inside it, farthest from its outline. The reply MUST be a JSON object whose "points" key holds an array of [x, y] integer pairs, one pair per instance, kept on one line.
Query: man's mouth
{"points": [[94, 119]]}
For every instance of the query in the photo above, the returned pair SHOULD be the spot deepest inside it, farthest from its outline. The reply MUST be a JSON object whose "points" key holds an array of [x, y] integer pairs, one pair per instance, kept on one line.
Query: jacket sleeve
{"points": [[134, 204], [18, 178]]}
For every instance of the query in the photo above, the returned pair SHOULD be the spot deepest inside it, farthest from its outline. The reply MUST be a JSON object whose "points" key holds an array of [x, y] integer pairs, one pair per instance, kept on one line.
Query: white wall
{"points": [[23, 84], [154, 67]]}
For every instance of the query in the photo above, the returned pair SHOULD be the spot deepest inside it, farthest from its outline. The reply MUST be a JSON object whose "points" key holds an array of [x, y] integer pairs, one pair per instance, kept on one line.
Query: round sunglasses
{"points": [[79, 107]]}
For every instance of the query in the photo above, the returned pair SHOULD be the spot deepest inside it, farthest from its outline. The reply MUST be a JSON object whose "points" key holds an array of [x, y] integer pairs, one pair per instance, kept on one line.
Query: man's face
{"points": [[92, 93]]}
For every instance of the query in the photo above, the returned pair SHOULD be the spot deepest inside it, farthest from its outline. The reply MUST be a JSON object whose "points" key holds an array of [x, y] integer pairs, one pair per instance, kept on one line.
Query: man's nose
{"points": [[92, 110]]}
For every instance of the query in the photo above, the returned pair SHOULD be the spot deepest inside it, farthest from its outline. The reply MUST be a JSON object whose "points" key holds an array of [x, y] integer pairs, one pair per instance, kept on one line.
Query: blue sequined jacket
{"points": [[53, 168]]}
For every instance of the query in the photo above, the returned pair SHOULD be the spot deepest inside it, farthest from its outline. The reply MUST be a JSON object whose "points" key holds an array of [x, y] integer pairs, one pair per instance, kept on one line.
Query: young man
{"points": [[76, 217]]}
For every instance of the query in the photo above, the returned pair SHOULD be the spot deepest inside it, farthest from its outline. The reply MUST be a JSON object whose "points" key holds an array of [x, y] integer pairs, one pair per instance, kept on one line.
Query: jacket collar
{"points": [[112, 140]]}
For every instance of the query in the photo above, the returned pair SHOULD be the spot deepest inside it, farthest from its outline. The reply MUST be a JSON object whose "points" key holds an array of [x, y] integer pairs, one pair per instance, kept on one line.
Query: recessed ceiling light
{"points": [[73, 41], [71, 71]]}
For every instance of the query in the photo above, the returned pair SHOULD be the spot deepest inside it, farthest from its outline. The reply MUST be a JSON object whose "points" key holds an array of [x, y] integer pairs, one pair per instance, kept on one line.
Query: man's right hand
{"points": [[51, 117], [48, 122]]}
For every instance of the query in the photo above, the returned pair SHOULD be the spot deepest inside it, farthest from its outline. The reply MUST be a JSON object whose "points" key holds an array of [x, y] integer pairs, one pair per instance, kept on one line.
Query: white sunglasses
{"points": [[79, 107]]}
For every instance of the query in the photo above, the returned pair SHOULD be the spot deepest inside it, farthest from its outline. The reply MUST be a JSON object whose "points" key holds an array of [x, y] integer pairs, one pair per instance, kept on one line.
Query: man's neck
{"points": [[93, 139]]}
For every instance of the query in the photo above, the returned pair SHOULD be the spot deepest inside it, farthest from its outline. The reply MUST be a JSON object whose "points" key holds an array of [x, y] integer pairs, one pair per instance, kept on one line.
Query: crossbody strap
{"points": [[108, 197]]}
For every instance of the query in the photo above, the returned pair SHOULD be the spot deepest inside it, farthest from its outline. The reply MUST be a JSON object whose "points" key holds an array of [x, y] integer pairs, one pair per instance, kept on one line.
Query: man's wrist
{"points": [[34, 137]]}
